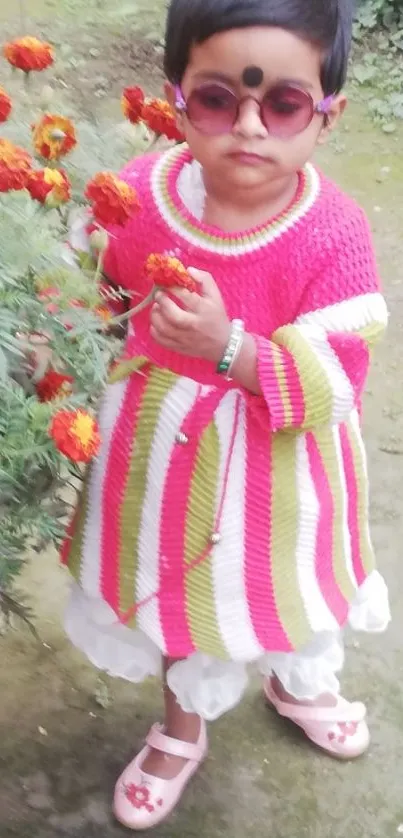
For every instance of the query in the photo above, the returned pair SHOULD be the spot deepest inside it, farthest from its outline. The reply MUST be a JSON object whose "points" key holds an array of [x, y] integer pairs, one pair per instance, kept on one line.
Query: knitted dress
{"points": [[218, 527]]}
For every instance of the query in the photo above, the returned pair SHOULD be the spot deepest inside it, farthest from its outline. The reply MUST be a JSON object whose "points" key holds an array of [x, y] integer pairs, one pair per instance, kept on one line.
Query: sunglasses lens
{"points": [[212, 109], [287, 110]]}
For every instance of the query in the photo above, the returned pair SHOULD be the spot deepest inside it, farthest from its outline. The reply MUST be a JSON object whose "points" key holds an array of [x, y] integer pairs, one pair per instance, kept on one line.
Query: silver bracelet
{"points": [[232, 349]]}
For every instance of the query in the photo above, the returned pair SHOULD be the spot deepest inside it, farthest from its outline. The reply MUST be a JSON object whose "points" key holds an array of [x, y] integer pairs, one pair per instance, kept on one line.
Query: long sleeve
{"points": [[313, 372]]}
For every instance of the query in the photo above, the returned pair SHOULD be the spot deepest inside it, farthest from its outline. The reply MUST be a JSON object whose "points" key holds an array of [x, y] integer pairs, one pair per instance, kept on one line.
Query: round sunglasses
{"points": [[285, 110]]}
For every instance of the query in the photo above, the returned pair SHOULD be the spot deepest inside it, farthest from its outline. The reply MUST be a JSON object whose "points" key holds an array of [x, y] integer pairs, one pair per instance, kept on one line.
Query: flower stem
{"points": [[99, 268], [133, 311]]}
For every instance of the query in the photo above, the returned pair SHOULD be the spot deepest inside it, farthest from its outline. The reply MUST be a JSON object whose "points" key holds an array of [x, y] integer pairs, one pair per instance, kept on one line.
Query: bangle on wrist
{"points": [[232, 349]]}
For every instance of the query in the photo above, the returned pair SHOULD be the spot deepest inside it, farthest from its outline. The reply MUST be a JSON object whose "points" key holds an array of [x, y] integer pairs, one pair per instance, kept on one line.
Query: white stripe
{"points": [[92, 557], [221, 246], [174, 409], [318, 613], [356, 428], [348, 315], [342, 389], [228, 566], [348, 554]]}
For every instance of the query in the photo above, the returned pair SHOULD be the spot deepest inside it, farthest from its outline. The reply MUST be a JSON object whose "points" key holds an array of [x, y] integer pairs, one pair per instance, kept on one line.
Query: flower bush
{"points": [[60, 318]]}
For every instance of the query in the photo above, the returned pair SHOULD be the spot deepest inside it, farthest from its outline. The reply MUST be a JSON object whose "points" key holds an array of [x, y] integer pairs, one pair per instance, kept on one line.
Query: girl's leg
{"points": [[178, 725]]}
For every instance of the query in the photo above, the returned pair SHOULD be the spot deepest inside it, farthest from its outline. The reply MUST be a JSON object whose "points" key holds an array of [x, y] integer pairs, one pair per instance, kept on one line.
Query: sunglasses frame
{"points": [[321, 108]]}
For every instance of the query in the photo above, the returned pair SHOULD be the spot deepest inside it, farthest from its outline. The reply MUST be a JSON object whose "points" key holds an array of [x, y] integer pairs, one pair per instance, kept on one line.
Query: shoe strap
{"points": [[343, 711], [174, 747]]}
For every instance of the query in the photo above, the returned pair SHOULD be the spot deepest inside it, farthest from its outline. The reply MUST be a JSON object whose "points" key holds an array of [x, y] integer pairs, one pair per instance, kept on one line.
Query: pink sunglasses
{"points": [[285, 110]]}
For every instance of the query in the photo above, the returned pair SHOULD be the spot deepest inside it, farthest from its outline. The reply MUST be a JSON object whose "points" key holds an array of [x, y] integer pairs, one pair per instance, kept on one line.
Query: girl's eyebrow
{"points": [[306, 85], [213, 75]]}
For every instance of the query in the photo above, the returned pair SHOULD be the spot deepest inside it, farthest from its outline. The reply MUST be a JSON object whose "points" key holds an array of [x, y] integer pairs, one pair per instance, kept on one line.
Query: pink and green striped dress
{"points": [[216, 522]]}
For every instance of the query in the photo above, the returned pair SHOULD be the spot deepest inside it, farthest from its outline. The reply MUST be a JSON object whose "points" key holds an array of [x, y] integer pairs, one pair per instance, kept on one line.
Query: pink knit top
{"points": [[233, 524]]}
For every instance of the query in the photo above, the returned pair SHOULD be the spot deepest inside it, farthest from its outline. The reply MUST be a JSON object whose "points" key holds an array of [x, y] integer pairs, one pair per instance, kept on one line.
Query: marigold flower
{"points": [[29, 54], [5, 105], [113, 201], [54, 385], [54, 136], [168, 272], [132, 104], [75, 434], [103, 313], [160, 118], [15, 166], [50, 187]]}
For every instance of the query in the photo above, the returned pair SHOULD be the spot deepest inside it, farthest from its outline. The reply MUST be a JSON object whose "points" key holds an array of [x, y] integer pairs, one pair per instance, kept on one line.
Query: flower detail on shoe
{"points": [[346, 728], [139, 797]]}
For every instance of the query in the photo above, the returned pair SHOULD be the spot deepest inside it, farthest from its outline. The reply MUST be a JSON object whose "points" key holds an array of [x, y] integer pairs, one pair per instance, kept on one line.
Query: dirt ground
{"points": [[66, 734]]}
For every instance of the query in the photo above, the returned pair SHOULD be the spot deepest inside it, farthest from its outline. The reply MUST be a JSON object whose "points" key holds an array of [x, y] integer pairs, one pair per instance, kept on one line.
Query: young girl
{"points": [[226, 519]]}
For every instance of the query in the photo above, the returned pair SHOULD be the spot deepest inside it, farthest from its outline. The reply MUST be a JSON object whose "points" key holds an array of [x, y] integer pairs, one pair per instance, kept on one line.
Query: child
{"points": [[226, 518]]}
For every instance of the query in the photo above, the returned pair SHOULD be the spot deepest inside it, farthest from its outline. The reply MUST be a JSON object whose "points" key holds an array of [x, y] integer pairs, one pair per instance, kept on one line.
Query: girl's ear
{"points": [[171, 98], [337, 109]]}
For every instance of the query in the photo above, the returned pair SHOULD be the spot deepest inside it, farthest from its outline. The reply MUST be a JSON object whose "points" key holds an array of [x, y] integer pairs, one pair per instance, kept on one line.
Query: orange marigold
{"points": [[168, 272], [29, 54], [5, 105], [54, 136], [54, 385], [132, 104], [50, 187], [15, 166], [113, 201], [160, 118], [75, 434]]}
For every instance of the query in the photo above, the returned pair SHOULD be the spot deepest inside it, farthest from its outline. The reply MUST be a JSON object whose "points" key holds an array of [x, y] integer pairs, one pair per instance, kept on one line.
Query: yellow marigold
{"points": [[50, 187], [168, 272], [160, 118], [29, 54], [54, 136], [15, 166], [5, 105], [113, 200]]}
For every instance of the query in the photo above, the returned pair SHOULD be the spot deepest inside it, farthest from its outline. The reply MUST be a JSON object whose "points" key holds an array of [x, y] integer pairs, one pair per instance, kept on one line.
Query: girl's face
{"points": [[248, 155]]}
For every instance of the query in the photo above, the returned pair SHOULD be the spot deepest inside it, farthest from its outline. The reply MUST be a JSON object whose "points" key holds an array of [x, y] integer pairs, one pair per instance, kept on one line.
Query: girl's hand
{"points": [[198, 326]]}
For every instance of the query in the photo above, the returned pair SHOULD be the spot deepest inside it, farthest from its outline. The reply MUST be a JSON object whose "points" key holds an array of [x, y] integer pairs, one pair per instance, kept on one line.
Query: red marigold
{"points": [[75, 434], [5, 105], [160, 118], [15, 166], [50, 187], [168, 272], [29, 54], [132, 104], [54, 136], [54, 385], [113, 201]]}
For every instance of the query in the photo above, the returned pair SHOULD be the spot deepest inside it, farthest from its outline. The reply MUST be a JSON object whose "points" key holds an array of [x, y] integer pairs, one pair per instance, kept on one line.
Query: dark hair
{"points": [[326, 23]]}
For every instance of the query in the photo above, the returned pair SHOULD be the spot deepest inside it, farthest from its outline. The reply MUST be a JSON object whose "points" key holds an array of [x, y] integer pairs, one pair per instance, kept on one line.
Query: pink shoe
{"points": [[341, 731], [142, 801]]}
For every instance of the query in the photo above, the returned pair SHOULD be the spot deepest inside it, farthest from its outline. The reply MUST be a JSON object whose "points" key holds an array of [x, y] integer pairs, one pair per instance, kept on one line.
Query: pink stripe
{"points": [[353, 355], [269, 382], [352, 493], [332, 595], [258, 577], [115, 484], [172, 603]]}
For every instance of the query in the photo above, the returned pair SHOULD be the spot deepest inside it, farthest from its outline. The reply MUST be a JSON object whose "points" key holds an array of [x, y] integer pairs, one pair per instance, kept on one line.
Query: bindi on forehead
{"points": [[252, 76]]}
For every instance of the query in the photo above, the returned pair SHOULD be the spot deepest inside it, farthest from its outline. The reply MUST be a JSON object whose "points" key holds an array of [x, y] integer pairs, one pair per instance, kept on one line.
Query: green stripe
{"points": [[284, 518], [75, 556], [327, 447], [315, 383], [366, 549], [199, 584], [159, 384]]}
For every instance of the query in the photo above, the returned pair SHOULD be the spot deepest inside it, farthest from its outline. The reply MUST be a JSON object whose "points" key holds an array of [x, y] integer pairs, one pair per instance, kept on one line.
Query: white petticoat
{"points": [[208, 686]]}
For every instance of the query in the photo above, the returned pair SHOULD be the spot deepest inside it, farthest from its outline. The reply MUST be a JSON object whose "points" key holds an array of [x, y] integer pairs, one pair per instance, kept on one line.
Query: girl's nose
{"points": [[249, 123]]}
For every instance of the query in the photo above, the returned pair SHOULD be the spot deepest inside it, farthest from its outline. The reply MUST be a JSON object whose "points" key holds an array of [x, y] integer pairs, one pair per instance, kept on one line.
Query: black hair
{"points": [[326, 23]]}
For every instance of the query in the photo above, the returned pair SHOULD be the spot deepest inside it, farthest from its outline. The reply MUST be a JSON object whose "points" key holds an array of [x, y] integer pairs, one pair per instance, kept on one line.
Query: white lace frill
{"points": [[209, 686]]}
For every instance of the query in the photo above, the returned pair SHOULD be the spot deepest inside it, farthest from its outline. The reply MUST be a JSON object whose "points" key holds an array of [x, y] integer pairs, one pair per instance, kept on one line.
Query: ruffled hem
{"points": [[206, 685]]}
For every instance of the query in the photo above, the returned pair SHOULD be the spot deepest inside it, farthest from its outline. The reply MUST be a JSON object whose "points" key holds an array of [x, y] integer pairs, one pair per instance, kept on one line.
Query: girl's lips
{"points": [[248, 158]]}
